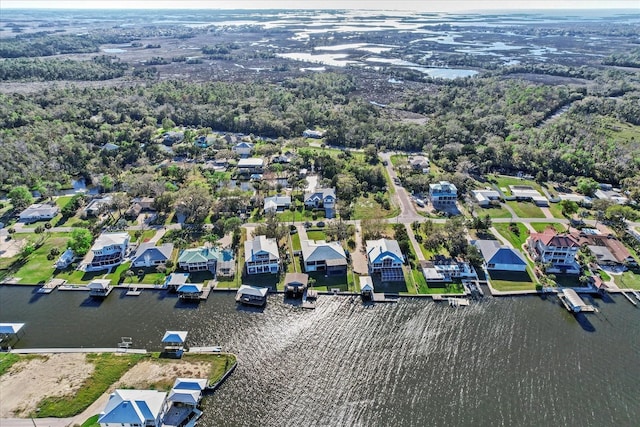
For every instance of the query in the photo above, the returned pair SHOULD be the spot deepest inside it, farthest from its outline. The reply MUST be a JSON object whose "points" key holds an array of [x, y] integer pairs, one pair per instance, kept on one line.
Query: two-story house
{"points": [[319, 255], [558, 250], [384, 257], [261, 255], [212, 259], [243, 149], [252, 165], [324, 198], [108, 250], [443, 193]]}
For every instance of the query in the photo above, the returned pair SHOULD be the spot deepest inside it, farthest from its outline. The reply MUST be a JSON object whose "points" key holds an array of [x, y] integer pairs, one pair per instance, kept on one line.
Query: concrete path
{"points": [[39, 422], [500, 237], [547, 212], [530, 227], [510, 209], [414, 243], [359, 261]]}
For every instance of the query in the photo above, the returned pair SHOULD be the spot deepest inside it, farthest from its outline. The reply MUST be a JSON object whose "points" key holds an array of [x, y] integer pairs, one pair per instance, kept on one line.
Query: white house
{"points": [[322, 198], [557, 249], [384, 257], [277, 203], [310, 133], [150, 255], [261, 255], [443, 193], [108, 250], [252, 165], [134, 408], [65, 259], [613, 195], [442, 269], [484, 197], [38, 212], [98, 205], [324, 256], [528, 193], [243, 148], [499, 257]]}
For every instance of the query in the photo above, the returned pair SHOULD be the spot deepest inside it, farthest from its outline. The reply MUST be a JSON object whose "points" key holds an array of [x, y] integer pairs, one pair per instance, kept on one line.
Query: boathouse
{"points": [[296, 283], [252, 295], [573, 302], [366, 287], [175, 280], [9, 332], [190, 291], [174, 341], [99, 288]]}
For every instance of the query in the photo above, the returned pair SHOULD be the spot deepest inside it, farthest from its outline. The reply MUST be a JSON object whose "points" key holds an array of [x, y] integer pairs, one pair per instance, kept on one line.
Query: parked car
{"points": [[307, 224], [320, 224]]}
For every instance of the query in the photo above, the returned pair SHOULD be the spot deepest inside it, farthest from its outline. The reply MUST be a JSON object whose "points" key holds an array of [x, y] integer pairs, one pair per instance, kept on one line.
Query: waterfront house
{"points": [[608, 250], [65, 259], [134, 408], [385, 258], [174, 280], [252, 165], [38, 212], [276, 203], [108, 251], [99, 288], [98, 205], [190, 291], [526, 193], [296, 283], [499, 257], [366, 287], [324, 198], [186, 392], [319, 255], [150, 255], [261, 255], [444, 270], [443, 193], [212, 259], [243, 149], [252, 295], [557, 250]]}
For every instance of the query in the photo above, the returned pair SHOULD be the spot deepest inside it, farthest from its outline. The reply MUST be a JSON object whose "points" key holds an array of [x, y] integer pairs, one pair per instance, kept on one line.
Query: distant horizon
{"points": [[398, 5]]}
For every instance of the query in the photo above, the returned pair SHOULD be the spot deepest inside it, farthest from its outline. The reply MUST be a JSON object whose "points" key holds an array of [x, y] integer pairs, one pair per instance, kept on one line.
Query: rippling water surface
{"points": [[500, 362]]}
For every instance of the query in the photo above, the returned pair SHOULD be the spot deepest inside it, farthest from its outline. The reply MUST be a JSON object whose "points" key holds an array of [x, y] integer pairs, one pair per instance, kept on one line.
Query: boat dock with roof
{"points": [[573, 303]]}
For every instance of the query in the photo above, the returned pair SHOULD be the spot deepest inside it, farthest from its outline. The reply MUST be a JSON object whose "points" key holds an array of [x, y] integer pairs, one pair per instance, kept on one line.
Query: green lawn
{"points": [[512, 280], [604, 276], [494, 212], [316, 235], [556, 210], [506, 181], [295, 242], [367, 208], [292, 216], [526, 209], [38, 269], [397, 159], [628, 279], [541, 226], [517, 240]]}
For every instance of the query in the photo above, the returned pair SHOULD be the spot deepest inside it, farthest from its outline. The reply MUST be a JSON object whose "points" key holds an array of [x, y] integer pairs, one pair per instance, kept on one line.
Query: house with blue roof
{"points": [[134, 408], [500, 257], [385, 258]]}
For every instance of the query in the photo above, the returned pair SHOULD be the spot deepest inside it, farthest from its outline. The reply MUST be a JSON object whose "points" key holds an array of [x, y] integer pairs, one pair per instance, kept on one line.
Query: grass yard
{"points": [[556, 210], [512, 280], [517, 240], [505, 181], [628, 279], [295, 242], [289, 216], [367, 208], [526, 209], [316, 235], [37, 268], [108, 369], [493, 212], [541, 226]]}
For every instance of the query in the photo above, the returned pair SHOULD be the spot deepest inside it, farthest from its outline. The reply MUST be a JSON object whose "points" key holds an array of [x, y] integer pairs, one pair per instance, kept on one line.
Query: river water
{"points": [[500, 362]]}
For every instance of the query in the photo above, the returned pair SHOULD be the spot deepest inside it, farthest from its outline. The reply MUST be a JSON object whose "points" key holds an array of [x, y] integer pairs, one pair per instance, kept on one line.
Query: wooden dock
{"points": [[211, 349], [51, 285], [309, 299], [133, 292], [626, 295], [381, 297], [458, 302], [205, 292]]}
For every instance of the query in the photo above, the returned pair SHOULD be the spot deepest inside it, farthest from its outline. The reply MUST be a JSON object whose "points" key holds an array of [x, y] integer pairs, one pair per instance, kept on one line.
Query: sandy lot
{"points": [[29, 381], [11, 248]]}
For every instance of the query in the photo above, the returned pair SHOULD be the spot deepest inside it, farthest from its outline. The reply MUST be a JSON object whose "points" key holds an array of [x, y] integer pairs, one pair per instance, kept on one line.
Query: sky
{"points": [[417, 5]]}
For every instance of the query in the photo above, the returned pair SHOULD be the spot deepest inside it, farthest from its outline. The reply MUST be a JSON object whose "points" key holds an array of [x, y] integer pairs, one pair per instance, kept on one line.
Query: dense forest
{"points": [[471, 126], [99, 68]]}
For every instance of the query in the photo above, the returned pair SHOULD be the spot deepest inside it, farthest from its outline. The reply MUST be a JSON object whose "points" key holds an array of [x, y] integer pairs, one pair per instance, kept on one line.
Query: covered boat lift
{"points": [[10, 332], [573, 302], [174, 342]]}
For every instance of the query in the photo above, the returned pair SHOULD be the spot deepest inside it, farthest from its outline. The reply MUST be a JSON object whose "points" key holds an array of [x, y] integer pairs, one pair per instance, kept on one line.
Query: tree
{"points": [[373, 228], [587, 186], [20, 197], [194, 202], [80, 242], [271, 227], [569, 207]]}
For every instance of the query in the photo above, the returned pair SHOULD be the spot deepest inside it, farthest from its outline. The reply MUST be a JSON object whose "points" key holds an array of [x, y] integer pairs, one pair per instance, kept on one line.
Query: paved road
{"points": [[408, 213]]}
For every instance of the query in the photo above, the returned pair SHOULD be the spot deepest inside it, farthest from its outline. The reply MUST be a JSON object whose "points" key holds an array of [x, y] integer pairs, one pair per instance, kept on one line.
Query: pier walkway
{"points": [[77, 350]]}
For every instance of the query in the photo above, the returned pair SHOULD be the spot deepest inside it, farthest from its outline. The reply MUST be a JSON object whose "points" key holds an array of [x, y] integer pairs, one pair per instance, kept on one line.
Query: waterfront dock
{"points": [[133, 292], [51, 285], [78, 350], [382, 297], [626, 295], [309, 299], [573, 303], [211, 349], [458, 302]]}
